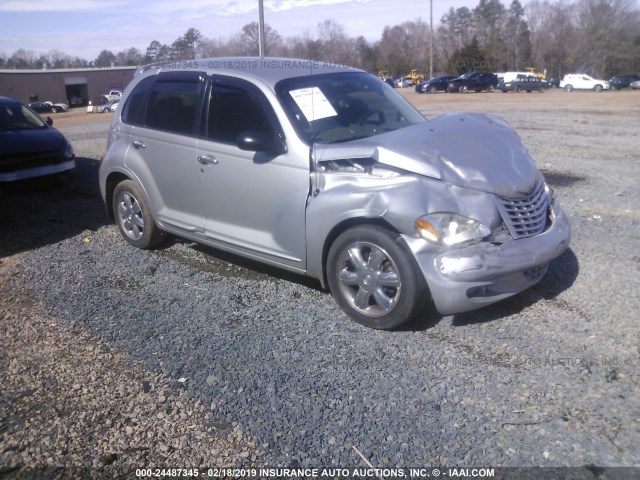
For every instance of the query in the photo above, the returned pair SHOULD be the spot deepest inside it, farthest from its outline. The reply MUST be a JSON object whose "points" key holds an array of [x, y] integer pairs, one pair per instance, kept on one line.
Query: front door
{"points": [[254, 202]]}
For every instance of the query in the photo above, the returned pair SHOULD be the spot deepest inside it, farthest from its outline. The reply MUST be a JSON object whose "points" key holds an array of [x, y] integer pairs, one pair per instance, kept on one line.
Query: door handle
{"points": [[138, 145], [207, 160]]}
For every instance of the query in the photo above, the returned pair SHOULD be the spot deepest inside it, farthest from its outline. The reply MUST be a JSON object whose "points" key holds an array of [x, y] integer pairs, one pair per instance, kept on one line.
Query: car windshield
{"points": [[341, 107], [14, 116]]}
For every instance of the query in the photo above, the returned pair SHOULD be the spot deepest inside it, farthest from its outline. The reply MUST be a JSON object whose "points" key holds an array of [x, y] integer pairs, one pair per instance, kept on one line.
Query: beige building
{"points": [[75, 87]]}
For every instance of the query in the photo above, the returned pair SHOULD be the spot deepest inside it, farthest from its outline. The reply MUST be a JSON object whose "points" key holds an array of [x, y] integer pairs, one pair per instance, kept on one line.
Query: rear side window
{"points": [[172, 105], [132, 113], [167, 102]]}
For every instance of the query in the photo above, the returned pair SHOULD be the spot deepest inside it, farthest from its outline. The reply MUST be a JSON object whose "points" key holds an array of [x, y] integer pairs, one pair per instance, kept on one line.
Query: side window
{"points": [[172, 105], [132, 111], [233, 110]]}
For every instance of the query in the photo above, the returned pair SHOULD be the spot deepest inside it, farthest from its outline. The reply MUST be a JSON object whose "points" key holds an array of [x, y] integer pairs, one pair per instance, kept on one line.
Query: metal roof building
{"points": [[75, 87]]}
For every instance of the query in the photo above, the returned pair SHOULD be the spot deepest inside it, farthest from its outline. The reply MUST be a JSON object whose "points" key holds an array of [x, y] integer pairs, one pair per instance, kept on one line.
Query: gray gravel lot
{"points": [[187, 357]]}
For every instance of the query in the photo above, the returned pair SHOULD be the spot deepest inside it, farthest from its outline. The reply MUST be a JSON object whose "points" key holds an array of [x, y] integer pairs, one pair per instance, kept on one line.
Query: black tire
{"points": [[374, 277], [491, 88], [133, 216]]}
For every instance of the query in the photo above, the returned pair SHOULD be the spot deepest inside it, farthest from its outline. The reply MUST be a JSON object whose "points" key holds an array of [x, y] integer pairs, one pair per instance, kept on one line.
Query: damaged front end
{"points": [[462, 192]]}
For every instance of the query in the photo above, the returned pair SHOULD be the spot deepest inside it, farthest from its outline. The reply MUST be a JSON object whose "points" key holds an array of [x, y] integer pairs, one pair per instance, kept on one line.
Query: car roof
{"points": [[269, 70], [8, 100]]}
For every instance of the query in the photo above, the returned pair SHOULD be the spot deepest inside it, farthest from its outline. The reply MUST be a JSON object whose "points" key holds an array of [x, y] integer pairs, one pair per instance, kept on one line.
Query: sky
{"points": [[84, 28]]}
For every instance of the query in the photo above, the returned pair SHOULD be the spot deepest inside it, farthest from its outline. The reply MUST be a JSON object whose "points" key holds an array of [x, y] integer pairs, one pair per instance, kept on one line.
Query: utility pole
{"points": [[261, 42], [430, 39]]}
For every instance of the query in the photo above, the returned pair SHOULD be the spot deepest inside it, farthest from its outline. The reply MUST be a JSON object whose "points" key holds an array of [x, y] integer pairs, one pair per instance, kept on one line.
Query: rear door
{"points": [[162, 153]]}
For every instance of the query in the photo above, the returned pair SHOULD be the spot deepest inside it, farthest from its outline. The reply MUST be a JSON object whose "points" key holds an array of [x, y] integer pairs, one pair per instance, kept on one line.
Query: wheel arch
{"points": [[112, 181], [339, 229]]}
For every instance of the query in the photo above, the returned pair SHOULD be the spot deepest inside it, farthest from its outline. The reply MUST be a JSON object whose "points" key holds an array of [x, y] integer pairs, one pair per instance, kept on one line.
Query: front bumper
{"points": [[467, 278], [40, 171]]}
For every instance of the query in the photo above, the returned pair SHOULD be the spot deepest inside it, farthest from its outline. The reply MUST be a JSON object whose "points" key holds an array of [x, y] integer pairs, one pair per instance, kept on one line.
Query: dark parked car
{"points": [[623, 81], [390, 81], [30, 146], [41, 107], [476, 81], [522, 83], [435, 84], [554, 83], [47, 107]]}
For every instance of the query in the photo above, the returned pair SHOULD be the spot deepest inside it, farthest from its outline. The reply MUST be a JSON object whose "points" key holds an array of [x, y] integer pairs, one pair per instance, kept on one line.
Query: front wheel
{"points": [[491, 88], [133, 216], [597, 88], [374, 278]]}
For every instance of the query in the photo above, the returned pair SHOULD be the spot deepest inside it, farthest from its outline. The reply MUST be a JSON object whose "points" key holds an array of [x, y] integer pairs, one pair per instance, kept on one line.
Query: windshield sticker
{"points": [[313, 103]]}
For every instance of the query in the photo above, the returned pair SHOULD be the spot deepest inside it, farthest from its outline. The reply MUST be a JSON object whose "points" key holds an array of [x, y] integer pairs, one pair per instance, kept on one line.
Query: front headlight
{"points": [[450, 229], [68, 152]]}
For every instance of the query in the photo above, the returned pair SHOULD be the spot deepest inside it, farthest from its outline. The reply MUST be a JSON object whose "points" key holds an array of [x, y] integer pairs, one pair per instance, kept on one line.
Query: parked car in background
{"points": [[107, 107], [390, 81], [435, 84], [554, 83], [112, 95], [404, 82], [580, 81], [48, 107], [635, 85], [30, 146], [392, 212], [76, 101], [623, 81], [522, 84], [473, 81]]}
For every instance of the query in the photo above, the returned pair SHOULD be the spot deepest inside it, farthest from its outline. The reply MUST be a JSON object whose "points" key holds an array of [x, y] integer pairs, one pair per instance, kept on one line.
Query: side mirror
{"points": [[49, 121], [259, 142]]}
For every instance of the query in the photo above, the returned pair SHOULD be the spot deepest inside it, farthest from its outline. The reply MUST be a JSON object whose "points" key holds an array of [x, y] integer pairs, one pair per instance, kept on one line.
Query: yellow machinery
{"points": [[415, 76], [533, 70]]}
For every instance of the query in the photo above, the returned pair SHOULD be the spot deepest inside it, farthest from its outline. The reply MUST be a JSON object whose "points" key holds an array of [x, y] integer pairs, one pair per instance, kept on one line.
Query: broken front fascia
{"points": [[469, 150], [403, 175]]}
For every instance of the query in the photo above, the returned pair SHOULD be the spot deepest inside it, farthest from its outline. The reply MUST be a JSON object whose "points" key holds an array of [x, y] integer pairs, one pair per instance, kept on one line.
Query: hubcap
{"points": [[130, 216], [368, 279]]}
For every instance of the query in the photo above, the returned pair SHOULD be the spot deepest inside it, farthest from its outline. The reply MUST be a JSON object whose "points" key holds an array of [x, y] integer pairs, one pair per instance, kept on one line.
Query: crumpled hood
{"points": [[30, 141], [469, 150]]}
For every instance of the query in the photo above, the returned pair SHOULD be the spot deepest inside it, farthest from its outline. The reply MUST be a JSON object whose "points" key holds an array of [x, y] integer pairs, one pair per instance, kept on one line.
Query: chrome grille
{"points": [[526, 217]]}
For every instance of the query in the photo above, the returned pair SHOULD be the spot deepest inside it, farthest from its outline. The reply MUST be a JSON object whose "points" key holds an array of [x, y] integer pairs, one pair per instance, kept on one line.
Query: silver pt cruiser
{"points": [[326, 171]]}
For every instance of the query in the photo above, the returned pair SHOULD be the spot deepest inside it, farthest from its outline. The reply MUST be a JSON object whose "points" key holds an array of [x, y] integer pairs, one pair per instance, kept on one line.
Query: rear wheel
{"points": [[568, 88], [463, 89], [133, 216], [491, 88], [374, 278]]}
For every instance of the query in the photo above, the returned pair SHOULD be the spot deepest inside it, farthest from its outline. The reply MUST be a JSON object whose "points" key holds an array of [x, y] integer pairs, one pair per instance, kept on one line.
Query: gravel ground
{"points": [[185, 357]]}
